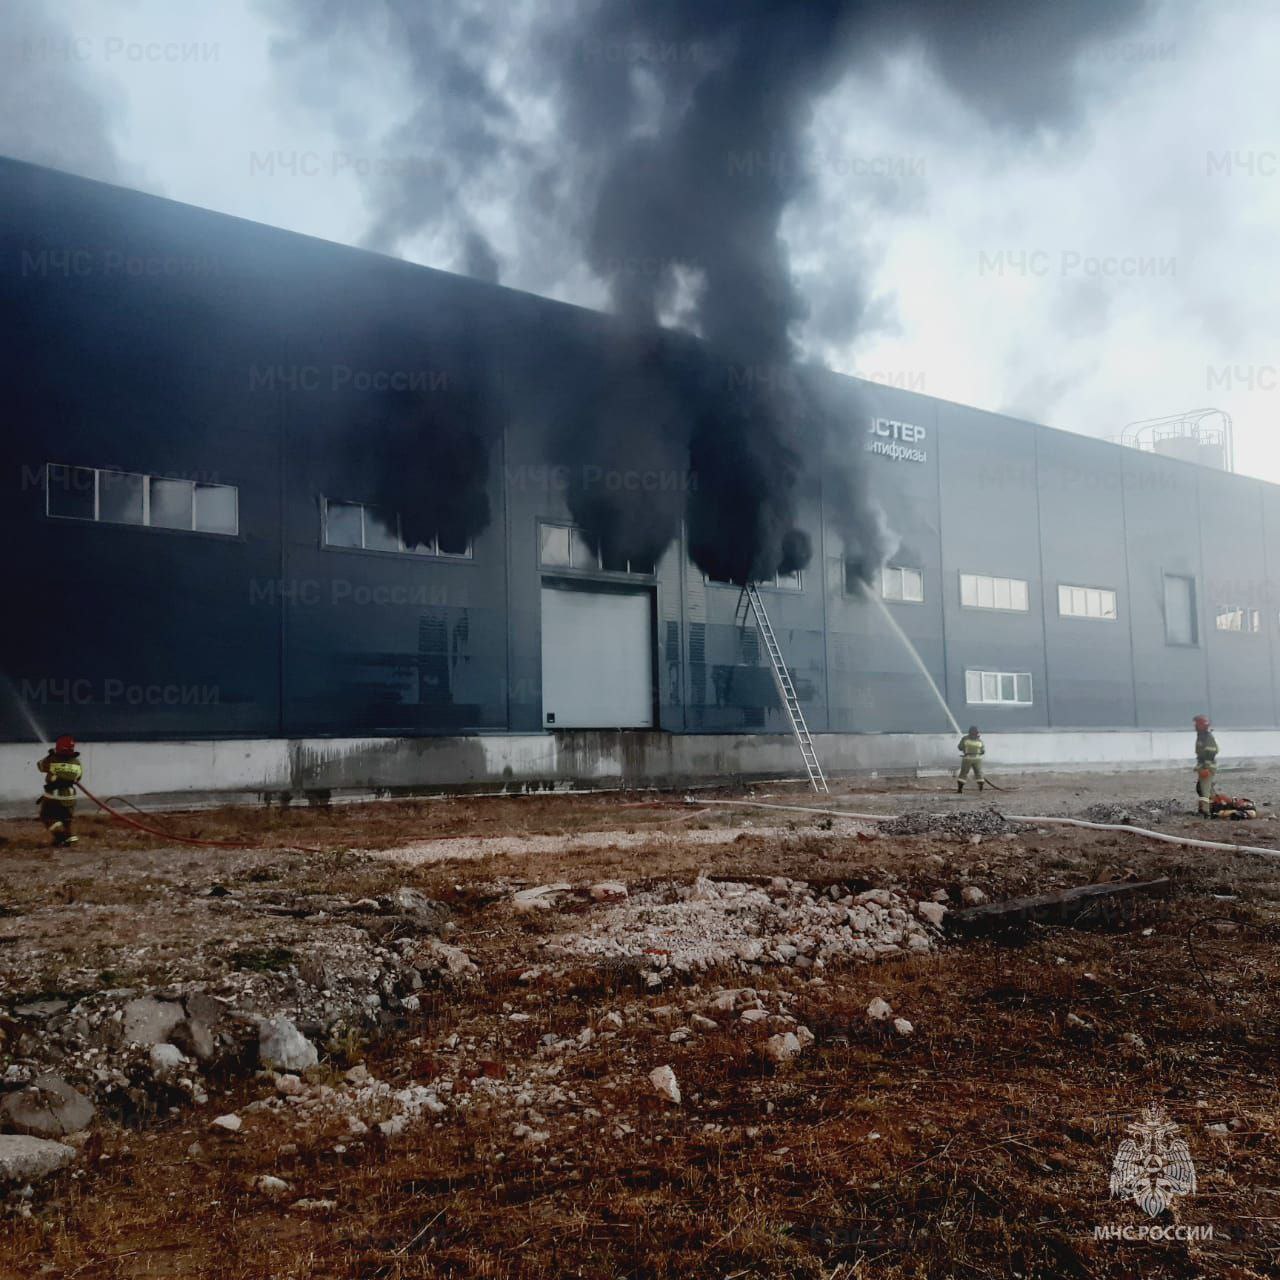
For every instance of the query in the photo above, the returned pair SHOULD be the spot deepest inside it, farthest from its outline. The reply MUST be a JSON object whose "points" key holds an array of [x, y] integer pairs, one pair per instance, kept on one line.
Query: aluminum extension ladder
{"points": [[787, 691]]}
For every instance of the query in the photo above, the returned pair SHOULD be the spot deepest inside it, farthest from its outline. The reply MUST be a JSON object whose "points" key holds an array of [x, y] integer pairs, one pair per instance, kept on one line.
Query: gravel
{"points": [[684, 928], [958, 825], [1135, 813]]}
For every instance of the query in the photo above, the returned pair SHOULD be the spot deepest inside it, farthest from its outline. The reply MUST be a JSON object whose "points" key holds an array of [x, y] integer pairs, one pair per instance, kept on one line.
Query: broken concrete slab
{"points": [[25, 1159], [40, 1010], [282, 1046], [47, 1108], [426, 913], [540, 898], [149, 1021]]}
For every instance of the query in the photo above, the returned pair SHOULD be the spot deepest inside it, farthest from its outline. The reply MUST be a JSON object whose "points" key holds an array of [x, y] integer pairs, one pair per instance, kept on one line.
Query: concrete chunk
{"points": [[47, 1108], [24, 1159], [282, 1046], [149, 1021], [664, 1083]]}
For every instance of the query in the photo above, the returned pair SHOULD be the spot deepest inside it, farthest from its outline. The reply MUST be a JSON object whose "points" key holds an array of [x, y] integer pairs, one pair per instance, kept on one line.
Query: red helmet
{"points": [[1201, 722], [65, 745]]}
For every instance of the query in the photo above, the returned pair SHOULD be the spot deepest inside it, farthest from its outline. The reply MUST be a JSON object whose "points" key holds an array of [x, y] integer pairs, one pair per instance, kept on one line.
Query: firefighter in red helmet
{"points": [[1206, 764], [62, 770]]}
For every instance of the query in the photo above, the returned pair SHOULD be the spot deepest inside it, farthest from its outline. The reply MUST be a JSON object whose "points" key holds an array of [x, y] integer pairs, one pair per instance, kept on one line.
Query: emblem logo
{"points": [[1153, 1166]]}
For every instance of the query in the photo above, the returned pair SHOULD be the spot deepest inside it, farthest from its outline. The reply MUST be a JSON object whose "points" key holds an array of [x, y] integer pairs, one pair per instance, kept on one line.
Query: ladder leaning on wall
{"points": [[787, 692]]}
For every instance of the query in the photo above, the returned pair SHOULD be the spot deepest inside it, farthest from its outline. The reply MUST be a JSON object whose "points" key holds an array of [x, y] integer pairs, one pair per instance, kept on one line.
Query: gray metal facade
{"points": [[232, 371]]}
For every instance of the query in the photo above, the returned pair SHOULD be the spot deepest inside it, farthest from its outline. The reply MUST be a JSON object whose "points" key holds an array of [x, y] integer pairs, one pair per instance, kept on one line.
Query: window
{"points": [[977, 591], [553, 546], [617, 564], [344, 524], [561, 546], [1086, 602], [122, 497], [778, 582], [1180, 610], [217, 508], [71, 492], [381, 530], [362, 526], [172, 502], [898, 583], [1229, 617], [1007, 688], [128, 497]]}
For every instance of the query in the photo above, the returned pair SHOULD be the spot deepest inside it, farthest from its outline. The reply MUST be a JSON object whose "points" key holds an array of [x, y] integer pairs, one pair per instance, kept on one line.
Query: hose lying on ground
{"points": [[995, 786], [172, 835], [1016, 817], [1144, 831]]}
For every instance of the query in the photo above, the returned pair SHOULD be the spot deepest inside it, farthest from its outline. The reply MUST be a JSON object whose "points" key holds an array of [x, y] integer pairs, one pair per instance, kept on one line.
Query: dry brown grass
{"points": [[979, 1147]]}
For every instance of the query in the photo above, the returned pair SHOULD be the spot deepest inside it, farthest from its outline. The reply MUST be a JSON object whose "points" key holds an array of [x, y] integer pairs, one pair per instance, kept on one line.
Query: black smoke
{"points": [[426, 455], [678, 145], [621, 440]]}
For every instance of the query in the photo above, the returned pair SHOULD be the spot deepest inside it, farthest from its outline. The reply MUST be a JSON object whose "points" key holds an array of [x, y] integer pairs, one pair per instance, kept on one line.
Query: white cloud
{"points": [[1122, 272]]}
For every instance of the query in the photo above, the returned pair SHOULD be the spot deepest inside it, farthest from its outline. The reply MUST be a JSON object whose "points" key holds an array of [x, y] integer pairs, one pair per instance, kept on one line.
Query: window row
{"points": [[369, 528], [126, 497], [1086, 602], [1230, 617], [779, 581], [898, 583], [1006, 688], [562, 546], [978, 591]]}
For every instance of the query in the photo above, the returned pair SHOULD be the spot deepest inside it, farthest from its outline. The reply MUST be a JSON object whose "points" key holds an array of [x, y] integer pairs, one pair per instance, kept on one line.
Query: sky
{"points": [[1114, 262]]}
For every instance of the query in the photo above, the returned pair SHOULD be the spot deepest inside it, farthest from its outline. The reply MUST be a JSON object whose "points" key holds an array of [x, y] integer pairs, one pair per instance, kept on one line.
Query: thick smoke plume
{"points": [[677, 143], [427, 457]]}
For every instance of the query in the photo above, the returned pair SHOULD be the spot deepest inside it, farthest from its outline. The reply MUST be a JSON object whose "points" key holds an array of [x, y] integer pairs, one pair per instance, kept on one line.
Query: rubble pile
{"points": [[958, 825], [135, 1050], [529, 1088], [1135, 813], [686, 928]]}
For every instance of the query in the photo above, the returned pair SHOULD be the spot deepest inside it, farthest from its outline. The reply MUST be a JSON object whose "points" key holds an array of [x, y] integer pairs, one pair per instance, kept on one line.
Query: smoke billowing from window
{"points": [[674, 140]]}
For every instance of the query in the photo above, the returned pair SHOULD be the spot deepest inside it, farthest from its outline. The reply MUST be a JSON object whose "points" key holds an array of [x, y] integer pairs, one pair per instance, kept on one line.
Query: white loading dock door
{"points": [[597, 659]]}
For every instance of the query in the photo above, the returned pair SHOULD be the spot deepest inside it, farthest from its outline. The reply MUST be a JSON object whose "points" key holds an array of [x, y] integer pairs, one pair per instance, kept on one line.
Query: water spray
{"points": [[919, 661], [37, 729]]}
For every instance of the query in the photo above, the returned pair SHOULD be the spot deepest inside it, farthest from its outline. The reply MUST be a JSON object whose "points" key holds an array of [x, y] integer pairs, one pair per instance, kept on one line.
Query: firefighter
{"points": [[972, 749], [62, 770], [1206, 764]]}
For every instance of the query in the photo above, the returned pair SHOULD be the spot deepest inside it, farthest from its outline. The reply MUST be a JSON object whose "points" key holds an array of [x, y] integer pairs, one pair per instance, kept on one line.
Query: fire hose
{"points": [[1029, 820], [173, 835]]}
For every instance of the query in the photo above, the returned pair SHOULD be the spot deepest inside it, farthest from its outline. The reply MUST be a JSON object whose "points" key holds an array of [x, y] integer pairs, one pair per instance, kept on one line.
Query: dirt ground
{"points": [[978, 1144]]}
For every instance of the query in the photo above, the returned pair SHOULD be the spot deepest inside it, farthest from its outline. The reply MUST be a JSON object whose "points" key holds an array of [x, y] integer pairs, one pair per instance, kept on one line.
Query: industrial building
{"points": [[202, 557]]}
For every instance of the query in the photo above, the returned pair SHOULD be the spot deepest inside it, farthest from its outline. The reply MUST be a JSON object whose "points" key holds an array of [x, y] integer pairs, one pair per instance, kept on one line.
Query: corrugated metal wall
{"points": [[150, 337]]}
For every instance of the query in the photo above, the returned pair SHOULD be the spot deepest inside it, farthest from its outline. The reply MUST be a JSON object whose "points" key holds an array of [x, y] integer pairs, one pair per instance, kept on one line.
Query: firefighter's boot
{"points": [[981, 784], [959, 785]]}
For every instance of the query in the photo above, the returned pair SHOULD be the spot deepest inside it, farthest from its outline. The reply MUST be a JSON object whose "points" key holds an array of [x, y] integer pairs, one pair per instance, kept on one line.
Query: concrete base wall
{"points": [[316, 770]]}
